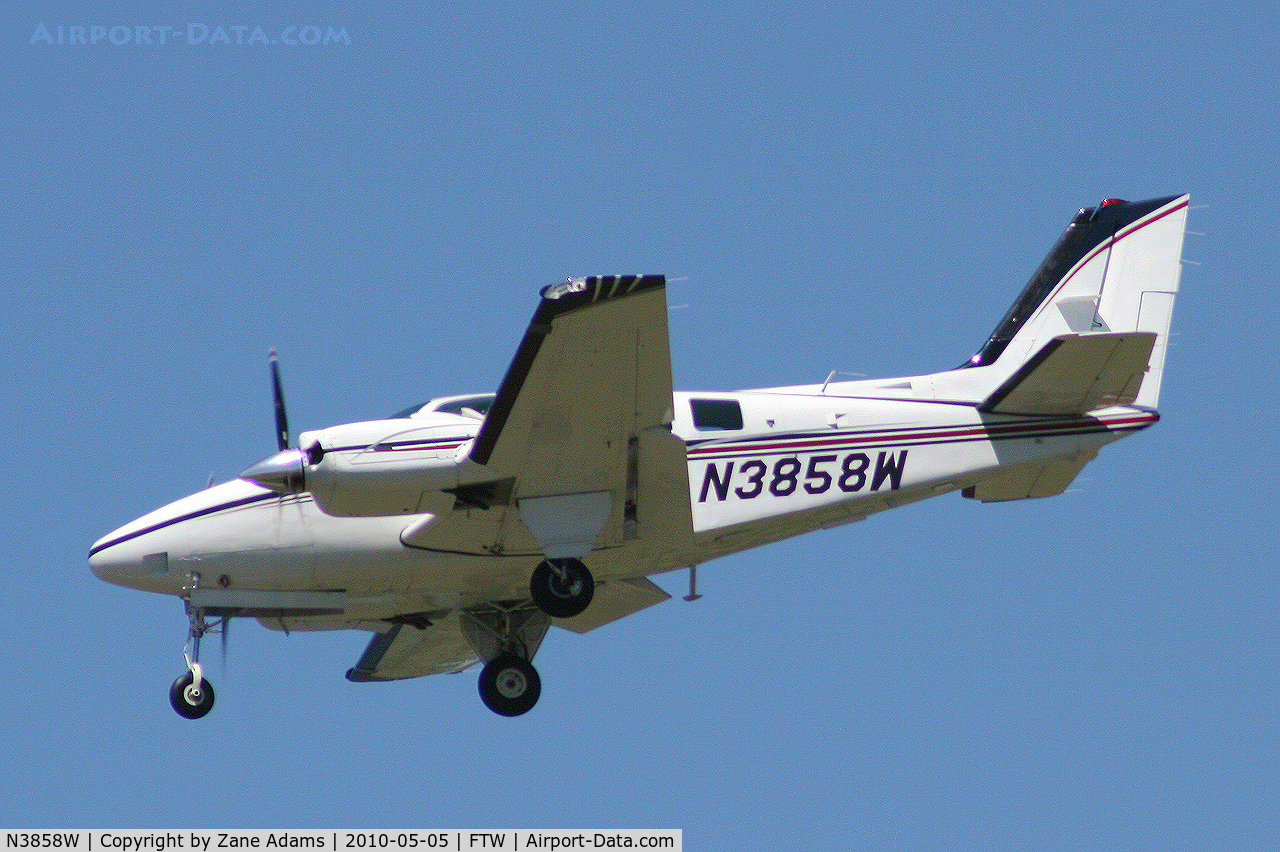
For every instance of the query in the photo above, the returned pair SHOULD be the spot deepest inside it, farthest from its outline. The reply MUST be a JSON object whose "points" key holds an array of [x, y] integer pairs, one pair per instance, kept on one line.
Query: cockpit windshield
{"points": [[476, 406]]}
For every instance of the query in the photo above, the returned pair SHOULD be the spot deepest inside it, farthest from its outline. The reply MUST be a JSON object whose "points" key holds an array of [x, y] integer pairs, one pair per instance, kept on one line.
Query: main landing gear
{"points": [[509, 685], [562, 588], [507, 635]]}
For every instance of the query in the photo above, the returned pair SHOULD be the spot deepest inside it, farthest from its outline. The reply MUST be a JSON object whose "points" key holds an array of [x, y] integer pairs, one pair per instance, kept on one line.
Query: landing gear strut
{"points": [[507, 635], [562, 588], [192, 695]]}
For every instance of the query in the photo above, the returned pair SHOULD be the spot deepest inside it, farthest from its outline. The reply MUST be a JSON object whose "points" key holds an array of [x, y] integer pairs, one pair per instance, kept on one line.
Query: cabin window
{"points": [[468, 406], [408, 412], [479, 404], [716, 414]]}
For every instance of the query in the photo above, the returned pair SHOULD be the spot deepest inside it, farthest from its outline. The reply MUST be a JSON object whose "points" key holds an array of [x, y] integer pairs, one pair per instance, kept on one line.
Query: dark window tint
{"points": [[709, 414], [478, 404], [408, 412]]}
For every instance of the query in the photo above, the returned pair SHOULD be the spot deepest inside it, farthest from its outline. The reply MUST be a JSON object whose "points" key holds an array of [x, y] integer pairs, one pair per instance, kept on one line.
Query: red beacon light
{"points": [[1092, 212]]}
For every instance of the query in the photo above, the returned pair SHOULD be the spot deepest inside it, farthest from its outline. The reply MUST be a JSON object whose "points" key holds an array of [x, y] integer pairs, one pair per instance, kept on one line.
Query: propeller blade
{"points": [[282, 420]]}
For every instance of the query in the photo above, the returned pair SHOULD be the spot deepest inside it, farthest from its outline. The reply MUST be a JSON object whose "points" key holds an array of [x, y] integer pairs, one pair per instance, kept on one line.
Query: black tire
{"points": [[563, 589], [191, 706], [509, 686]]}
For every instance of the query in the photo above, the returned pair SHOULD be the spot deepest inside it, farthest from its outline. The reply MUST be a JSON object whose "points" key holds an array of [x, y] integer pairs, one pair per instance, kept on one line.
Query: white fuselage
{"points": [[797, 461]]}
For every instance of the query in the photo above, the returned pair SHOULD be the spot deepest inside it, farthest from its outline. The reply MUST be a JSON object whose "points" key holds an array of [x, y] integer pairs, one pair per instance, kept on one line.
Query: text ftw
{"points": [[849, 474]]}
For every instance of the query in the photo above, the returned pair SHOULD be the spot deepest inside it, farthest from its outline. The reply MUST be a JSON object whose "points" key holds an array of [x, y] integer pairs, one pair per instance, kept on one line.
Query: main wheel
{"points": [[562, 588], [509, 686], [189, 702]]}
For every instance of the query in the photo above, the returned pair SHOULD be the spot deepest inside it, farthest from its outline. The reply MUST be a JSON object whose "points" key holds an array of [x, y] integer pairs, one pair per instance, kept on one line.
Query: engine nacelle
{"points": [[375, 468], [383, 467]]}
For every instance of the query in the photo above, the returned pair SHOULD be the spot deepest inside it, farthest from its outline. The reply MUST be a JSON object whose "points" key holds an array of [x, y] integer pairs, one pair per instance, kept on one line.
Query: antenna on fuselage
{"points": [[835, 373]]}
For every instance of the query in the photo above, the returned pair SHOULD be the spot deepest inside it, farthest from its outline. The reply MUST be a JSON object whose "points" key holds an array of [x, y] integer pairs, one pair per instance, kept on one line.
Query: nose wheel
{"points": [[191, 696]]}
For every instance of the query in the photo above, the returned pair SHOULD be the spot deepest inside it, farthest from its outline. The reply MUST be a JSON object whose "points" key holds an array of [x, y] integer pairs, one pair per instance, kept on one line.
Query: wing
{"points": [[592, 373], [413, 651], [613, 600], [415, 648]]}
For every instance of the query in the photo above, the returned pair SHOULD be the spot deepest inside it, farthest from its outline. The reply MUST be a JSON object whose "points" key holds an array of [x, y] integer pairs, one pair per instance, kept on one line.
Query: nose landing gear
{"points": [[192, 694]]}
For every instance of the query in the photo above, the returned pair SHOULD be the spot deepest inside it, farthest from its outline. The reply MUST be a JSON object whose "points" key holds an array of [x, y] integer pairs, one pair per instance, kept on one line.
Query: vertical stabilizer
{"points": [[1114, 271]]}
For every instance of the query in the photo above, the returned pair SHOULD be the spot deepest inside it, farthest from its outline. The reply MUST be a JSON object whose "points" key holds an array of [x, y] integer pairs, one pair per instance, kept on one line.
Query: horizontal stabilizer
{"points": [[1075, 374], [1030, 481]]}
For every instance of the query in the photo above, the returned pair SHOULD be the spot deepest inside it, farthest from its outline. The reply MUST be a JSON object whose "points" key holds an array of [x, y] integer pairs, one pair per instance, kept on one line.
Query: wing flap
{"points": [[1076, 373]]}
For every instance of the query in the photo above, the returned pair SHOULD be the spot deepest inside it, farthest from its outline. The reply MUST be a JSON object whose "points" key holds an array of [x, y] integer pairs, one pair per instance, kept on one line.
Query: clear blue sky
{"points": [[863, 189]]}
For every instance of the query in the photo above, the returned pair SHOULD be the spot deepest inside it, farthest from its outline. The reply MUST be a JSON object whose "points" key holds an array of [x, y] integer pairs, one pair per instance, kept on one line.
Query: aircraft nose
{"points": [[156, 552], [120, 560], [105, 566], [135, 556]]}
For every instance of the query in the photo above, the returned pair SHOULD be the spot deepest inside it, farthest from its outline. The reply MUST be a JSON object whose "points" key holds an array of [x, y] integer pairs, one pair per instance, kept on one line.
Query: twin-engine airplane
{"points": [[460, 530]]}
